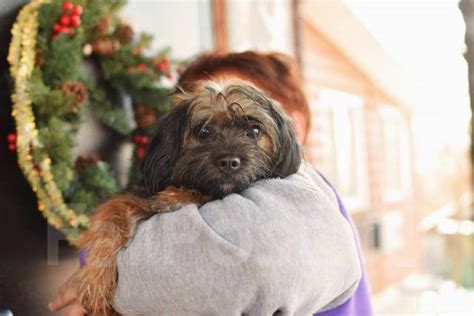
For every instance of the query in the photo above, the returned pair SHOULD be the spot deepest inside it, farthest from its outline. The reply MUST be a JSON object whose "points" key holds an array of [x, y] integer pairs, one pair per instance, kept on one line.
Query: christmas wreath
{"points": [[70, 60]]}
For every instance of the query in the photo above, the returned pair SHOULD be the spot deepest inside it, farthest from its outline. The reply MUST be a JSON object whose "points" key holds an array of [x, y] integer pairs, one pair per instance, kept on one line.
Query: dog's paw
{"points": [[165, 205], [173, 198]]}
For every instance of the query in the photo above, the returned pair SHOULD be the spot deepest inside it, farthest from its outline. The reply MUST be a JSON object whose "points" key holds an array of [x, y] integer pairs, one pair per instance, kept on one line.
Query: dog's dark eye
{"points": [[204, 133], [255, 131]]}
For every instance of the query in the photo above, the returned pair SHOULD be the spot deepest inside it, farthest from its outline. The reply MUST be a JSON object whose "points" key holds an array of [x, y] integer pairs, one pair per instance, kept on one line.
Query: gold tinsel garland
{"points": [[22, 61]]}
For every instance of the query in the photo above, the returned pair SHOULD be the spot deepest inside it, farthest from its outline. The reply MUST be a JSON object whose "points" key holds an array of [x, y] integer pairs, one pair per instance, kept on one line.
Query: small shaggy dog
{"points": [[216, 141]]}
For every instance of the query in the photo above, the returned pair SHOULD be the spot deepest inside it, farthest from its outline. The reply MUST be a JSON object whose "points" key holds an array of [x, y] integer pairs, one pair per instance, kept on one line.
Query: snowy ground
{"points": [[424, 295]]}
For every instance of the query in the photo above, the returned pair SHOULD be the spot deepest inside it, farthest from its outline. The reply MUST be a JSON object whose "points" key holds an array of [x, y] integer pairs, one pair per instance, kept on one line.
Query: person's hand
{"points": [[67, 297]]}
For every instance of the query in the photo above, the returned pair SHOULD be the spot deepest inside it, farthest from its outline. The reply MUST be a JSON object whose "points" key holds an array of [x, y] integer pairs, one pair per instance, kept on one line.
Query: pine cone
{"points": [[76, 90], [137, 51], [103, 26], [124, 33], [85, 161], [106, 46], [145, 116]]}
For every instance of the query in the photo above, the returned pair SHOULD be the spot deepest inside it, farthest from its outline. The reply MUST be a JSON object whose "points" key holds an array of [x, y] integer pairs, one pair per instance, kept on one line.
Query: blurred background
{"points": [[388, 84]]}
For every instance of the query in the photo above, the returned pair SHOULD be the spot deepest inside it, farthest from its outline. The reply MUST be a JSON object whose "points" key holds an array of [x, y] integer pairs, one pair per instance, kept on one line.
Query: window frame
{"points": [[390, 115], [359, 201]]}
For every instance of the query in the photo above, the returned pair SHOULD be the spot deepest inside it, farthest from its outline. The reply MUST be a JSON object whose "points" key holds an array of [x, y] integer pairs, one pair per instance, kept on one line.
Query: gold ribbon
{"points": [[21, 57]]}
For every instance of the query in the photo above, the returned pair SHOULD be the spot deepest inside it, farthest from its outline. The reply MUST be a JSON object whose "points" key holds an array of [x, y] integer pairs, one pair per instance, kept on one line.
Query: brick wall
{"points": [[326, 67]]}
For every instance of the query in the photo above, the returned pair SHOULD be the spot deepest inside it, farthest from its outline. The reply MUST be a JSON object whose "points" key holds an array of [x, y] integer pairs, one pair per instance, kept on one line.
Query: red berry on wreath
{"points": [[65, 20], [11, 137], [141, 140], [137, 51], [67, 30], [140, 152], [141, 66], [77, 10], [164, 65], [67, 6], [57, 28], [75, 21], [137, 139]]}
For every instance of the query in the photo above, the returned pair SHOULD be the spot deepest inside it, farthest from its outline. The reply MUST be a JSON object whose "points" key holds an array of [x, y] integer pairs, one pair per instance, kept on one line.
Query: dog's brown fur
{"points": [[179, 168]]}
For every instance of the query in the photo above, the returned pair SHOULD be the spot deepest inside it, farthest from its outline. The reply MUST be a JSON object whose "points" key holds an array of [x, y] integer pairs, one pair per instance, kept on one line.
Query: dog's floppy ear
{"points": [[287, 156], [287, 159], [163, 150]]}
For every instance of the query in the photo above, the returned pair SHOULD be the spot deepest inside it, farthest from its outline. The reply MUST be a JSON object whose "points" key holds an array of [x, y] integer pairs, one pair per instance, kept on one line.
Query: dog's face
{"points": [[219, 140]]}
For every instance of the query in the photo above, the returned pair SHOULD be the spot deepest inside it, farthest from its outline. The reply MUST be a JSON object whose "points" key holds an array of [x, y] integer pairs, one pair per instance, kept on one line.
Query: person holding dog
{"points": [[275, 75]]}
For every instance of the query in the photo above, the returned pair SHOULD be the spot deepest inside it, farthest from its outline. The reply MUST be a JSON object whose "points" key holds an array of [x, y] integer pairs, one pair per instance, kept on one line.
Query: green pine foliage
{"points": [[108, 113], [98, 178], [61, 59], [50, 102], [55, 136], [48, 14], [158, 98], [64, 176], [82, 199]]}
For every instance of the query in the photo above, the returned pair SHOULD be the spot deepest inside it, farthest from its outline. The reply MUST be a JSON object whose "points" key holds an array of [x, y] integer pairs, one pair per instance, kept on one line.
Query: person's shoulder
{"points": [[308, 176], [307, 186]]}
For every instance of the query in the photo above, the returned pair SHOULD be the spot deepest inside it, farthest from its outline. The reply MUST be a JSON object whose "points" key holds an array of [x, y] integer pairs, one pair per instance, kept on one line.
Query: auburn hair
{"points": [[274, 73]]}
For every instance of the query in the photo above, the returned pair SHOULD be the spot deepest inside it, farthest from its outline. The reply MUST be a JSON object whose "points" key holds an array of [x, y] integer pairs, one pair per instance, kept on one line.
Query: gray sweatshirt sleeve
{"points": [[280, 246]]}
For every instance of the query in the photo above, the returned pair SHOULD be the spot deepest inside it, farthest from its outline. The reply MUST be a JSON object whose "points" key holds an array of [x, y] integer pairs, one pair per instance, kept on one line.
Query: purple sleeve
{"points": [[82, 257], [359, 303]]}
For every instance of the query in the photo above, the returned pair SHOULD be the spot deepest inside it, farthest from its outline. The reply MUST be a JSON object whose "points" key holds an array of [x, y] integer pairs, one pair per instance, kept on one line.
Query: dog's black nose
{"points": [[228, 163]]}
